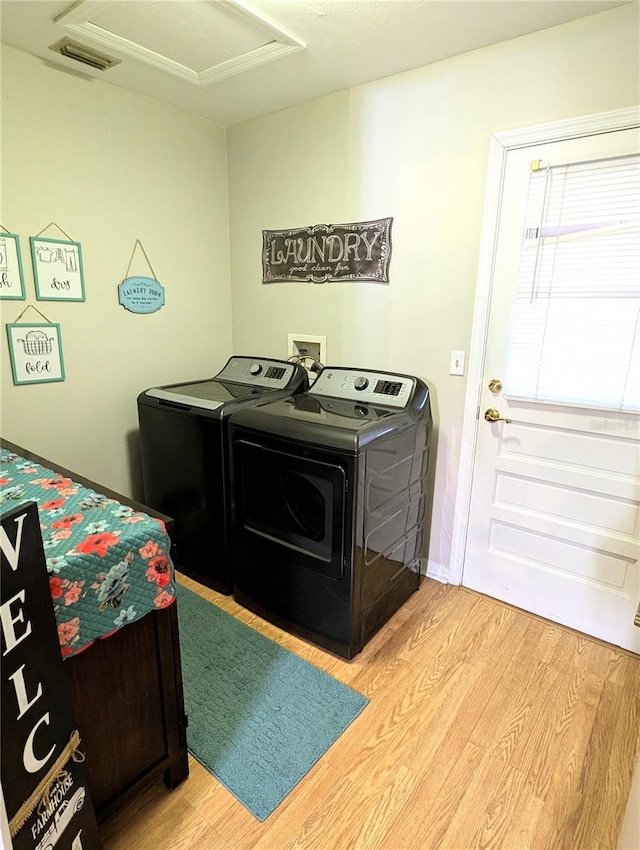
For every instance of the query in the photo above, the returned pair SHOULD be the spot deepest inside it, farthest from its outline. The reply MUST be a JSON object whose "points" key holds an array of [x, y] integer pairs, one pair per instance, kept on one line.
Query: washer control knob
{"points": [[255, 368], [361, 383]]}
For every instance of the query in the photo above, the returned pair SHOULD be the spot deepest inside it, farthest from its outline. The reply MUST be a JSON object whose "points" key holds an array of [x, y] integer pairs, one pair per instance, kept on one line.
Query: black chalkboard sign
{"points": [[360, 252], [43, 778]]}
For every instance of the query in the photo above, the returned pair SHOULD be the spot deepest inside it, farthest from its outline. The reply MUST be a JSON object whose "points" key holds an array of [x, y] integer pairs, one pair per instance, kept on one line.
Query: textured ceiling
{"points": [[228, 60]]}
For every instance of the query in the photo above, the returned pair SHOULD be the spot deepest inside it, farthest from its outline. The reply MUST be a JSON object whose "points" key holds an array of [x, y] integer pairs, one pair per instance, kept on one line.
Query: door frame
{"points": [[500, 144]]}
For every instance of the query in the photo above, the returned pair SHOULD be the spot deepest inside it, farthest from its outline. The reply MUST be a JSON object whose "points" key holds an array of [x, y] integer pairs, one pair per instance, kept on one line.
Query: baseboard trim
{"points": [[434, 570]]}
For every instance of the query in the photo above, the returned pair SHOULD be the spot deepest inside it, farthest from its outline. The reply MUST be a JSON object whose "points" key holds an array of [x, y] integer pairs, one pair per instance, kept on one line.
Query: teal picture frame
{"points": [[11, 273], [35, 351], [57, 268]]}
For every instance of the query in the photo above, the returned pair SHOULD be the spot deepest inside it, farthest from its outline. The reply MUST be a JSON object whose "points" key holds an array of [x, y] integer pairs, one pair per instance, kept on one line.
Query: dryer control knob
{"points": [[255, 368], [361, 383]]}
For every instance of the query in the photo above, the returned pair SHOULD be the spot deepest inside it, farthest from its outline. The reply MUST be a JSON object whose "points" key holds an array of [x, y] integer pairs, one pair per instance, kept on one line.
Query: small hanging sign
{"points": [[360, 252], [140, 294]]}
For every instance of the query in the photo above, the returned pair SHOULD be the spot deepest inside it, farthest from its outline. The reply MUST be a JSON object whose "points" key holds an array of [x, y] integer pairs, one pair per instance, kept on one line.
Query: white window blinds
{"points": [[575, 336]]}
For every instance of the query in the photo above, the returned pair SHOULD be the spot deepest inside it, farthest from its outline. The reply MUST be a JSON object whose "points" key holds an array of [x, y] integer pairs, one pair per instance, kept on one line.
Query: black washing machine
{"points": [[328, 504], [185, 463]]}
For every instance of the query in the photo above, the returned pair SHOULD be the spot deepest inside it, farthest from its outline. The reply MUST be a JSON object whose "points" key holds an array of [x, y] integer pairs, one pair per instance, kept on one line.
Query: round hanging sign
{"points": [[141, 294]]}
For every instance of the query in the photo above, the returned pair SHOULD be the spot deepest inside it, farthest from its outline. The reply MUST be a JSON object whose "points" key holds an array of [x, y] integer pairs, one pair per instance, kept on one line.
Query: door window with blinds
{"points": [[576, 326]]}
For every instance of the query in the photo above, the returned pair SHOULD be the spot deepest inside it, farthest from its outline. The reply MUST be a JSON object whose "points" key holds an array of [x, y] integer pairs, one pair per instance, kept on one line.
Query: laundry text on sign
{"points": [[359, 252]]}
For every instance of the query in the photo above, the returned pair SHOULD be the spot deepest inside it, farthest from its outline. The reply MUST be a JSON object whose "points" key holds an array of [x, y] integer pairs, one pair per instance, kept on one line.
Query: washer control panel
{"points": [[258, 371], [365, 386]]}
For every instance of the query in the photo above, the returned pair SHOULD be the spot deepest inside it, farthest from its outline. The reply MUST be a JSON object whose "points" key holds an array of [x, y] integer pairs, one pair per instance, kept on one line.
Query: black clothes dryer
{"points": [[185, 463], [328, 504]]}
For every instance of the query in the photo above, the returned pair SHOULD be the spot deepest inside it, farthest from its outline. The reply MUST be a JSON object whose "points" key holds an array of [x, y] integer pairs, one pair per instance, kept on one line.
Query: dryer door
{"points": [[295, 502]]}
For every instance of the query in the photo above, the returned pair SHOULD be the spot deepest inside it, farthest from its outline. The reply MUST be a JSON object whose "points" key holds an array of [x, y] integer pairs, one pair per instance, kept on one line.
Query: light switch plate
{"points": [[456, 363]]}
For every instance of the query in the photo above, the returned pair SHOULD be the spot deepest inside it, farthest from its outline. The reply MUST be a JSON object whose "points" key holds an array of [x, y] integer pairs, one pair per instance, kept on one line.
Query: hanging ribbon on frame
{"points": [[31, 307], [140, 294], [53, 224]]}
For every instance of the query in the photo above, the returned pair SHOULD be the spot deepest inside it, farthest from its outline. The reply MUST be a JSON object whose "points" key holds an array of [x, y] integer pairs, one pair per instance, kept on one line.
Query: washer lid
{"points": [[208, 395], [241, 379]]}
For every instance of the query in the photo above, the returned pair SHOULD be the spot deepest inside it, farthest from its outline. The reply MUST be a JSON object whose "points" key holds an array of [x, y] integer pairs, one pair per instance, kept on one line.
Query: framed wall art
{"points": [[57, 268], [36, 352], [11, 276], [360, 251]]}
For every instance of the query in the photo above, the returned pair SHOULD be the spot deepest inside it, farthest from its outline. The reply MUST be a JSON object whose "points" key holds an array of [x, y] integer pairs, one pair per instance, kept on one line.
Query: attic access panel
{"points": [[200, 41]]}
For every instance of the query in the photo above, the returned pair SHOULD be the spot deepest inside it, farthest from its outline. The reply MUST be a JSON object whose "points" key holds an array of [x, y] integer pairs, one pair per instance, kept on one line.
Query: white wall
{"points": [[414, 147], [109, 167]]}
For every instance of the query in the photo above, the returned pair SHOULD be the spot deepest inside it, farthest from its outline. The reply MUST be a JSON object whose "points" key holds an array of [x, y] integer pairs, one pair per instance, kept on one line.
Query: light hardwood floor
{"points": [[487, 728]]}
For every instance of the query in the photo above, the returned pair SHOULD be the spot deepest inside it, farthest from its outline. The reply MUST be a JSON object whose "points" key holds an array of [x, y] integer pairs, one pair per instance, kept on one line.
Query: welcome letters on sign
{"points": [[43, 781]]}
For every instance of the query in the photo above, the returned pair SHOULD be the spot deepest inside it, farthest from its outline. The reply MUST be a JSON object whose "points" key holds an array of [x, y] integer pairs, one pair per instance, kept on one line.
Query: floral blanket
{"points": [[108, 564]]}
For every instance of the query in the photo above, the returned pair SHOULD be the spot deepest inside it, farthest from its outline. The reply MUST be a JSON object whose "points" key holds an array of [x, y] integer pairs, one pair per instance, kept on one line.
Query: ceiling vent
{"points": [[199, 41], [81, 53]]}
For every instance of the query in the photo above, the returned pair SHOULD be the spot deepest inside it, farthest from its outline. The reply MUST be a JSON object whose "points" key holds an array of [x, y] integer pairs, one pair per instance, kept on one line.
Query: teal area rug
{"points": [[259, 716]]}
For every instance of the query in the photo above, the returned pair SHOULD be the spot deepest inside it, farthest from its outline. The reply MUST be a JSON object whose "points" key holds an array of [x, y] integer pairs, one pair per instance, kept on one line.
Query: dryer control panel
{"points": [[258, 371], [365, 385]]}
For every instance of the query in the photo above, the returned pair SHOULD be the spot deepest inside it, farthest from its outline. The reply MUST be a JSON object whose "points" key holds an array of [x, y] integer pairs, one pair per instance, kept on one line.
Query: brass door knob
{"points": [[495, 385], [493, 415]]}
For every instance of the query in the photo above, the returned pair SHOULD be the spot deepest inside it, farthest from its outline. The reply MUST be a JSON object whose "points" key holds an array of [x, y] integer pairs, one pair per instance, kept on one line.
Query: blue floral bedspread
{"points": [[108, 564]]}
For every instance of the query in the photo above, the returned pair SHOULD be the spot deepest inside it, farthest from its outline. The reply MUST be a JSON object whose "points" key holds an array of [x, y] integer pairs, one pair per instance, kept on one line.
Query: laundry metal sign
{"points": [[360, 251]]}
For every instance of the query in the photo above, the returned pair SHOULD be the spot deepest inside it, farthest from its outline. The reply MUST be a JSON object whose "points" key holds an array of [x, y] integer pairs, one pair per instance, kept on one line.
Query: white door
{"points": [[554, 507]]}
